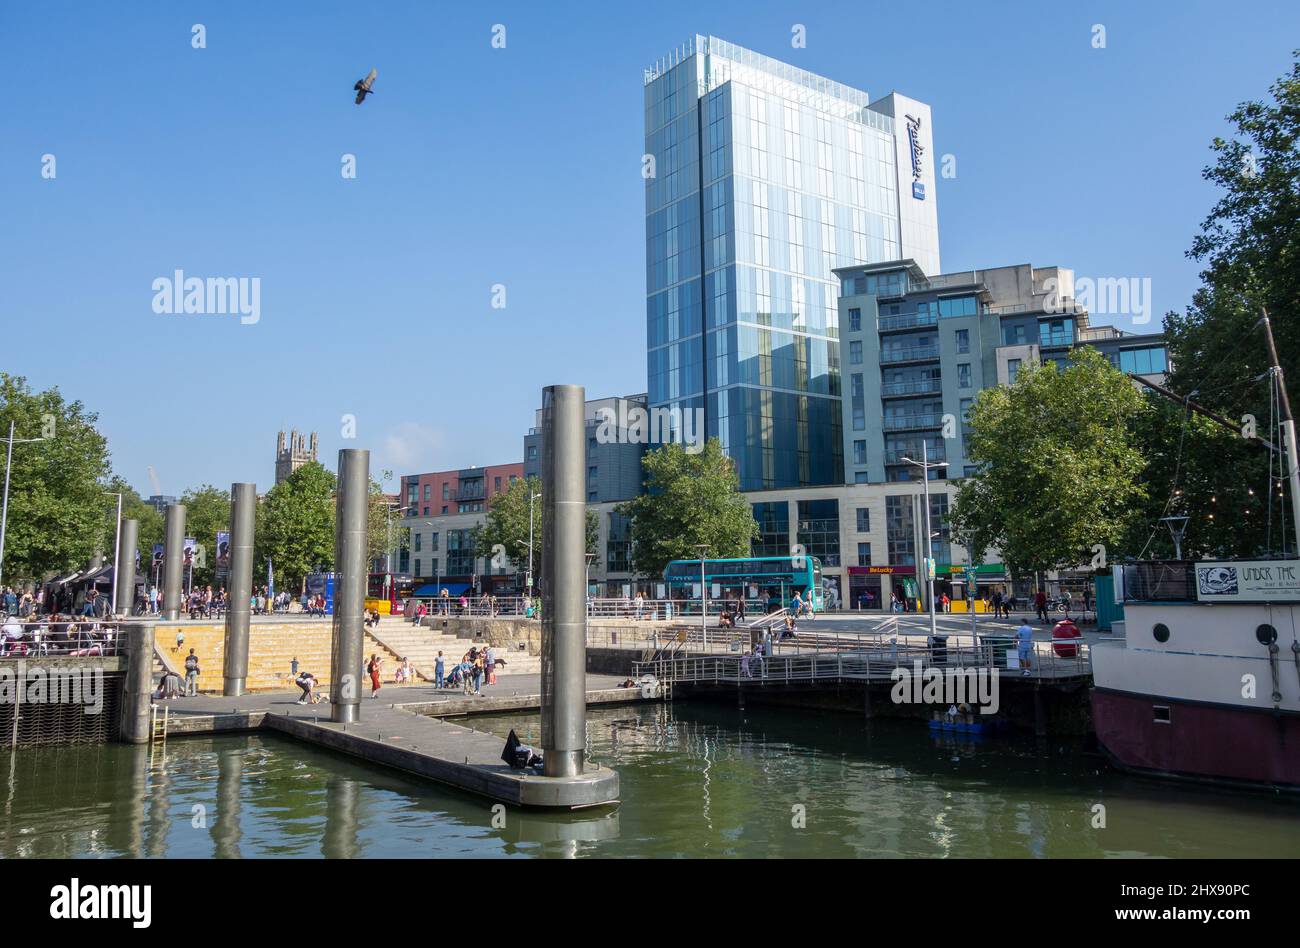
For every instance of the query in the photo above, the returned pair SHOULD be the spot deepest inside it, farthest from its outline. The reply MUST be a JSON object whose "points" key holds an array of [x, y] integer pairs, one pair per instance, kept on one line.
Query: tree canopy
{"points": [[1249, 247], [1060, 468], [59, 514], [690, 500], [507, 521], [295, 526]]}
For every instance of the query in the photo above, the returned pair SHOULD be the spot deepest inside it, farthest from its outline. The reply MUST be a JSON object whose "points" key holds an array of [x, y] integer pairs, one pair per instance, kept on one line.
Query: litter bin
{"points": [[938, 649], [999, 645]]}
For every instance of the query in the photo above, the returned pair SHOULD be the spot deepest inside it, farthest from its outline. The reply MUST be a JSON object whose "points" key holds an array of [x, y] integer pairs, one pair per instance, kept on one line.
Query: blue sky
{"points": [[519, 166]]}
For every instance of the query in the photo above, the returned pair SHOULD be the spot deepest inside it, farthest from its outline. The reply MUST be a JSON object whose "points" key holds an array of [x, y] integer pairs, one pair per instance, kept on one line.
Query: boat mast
{"points": [[1288, 429]]}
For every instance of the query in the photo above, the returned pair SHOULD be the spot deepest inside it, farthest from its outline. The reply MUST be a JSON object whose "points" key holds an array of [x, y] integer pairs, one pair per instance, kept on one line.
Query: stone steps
{"points": [[422, 644]]}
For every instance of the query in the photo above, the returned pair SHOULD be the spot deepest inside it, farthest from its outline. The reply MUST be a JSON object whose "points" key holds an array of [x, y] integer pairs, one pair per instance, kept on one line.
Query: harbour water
{"points": [[697, 780]]}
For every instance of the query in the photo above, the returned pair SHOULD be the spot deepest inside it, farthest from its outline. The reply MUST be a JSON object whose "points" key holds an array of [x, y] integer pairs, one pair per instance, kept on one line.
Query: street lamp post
{"points": [[925, 466], [586, 596], [117, 548], [704, 601], [4, 513], [528, 580]]}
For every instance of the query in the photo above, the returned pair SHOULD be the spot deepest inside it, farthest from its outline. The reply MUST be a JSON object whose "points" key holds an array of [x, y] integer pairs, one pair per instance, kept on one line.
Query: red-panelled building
{"points": [[468, 490]]}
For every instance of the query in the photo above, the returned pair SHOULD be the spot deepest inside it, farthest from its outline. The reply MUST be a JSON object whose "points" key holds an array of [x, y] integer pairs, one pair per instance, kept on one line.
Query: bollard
{"points": [[243, 510], [564, 533]]}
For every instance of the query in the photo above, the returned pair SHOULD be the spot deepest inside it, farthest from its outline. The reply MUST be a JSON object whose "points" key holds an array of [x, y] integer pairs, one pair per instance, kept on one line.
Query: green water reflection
{"points": [[697, 780]]}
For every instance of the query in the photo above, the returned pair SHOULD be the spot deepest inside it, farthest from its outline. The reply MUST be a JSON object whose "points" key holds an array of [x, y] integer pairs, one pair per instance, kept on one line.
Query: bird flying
{"points": [[363, 86]]}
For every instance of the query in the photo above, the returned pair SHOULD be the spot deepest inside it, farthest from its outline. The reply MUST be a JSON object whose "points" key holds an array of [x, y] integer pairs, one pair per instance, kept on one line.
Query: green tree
{"points": [[1249, 246], [1215, 478], [690, 500], [381, 514], [295, 526], [1060, 470], [207, 510], [506, 524], [58, 513]]}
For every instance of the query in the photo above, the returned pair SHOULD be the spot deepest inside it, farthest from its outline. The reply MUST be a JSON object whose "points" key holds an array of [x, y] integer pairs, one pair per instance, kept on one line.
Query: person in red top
{"points": [[1040, 603], [373, 668]]}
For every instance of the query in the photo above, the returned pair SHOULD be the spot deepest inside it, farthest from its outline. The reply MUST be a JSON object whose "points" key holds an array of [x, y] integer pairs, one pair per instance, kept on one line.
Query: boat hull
{"points": [[1220, 743]]}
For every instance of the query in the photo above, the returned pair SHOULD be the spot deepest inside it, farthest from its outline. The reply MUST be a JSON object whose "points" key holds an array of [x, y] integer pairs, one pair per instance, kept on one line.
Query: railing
{"points": [[1062, 307], [909, 354], [72, 638], [896, 457], [487, 606], [905, 321], [912, 422], [648, 609], [873, 656], [929, 386]]}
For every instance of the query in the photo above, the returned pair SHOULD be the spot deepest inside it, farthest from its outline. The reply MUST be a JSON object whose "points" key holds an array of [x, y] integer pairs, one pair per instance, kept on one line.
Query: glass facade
{"points": [[765, 179], [460, 552], [773, 529], [819, 530], [1147, 360], [618, 545], [900, 530]]}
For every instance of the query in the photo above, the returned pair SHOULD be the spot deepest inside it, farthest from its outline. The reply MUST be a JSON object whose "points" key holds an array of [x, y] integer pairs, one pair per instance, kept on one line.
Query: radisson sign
{"points": [[918, 153]]}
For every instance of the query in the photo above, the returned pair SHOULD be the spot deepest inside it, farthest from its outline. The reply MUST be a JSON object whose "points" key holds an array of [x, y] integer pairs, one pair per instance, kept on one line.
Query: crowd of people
{"points": [[55, 634]]}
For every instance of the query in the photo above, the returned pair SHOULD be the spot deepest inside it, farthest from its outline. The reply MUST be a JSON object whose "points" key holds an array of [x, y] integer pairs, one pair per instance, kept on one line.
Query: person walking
{"points": [[191, 675], [1040, 605], [479, 668], [373, 668], [439, 672]]}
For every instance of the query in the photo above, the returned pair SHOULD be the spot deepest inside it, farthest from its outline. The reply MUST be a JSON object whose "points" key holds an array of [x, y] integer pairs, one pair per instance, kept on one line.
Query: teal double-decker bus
{"points": [[768, 576]]}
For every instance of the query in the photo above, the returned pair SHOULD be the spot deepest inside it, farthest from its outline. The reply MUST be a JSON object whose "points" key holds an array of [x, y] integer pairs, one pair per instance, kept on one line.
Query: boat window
{"points": [[1266, 634], [1160, 713], [1161, 632]]}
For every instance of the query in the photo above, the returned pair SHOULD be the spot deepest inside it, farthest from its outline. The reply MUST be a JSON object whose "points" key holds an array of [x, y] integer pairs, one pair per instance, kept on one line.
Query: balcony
{"points": [[902, 354], [912, 422], [933, 455], [929, 386], [1055, 340], [471, 491], [906, 321]]}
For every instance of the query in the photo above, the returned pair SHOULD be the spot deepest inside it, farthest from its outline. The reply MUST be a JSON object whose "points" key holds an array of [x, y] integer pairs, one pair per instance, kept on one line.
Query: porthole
{"points": [[1161, 632], [1266, 634]]}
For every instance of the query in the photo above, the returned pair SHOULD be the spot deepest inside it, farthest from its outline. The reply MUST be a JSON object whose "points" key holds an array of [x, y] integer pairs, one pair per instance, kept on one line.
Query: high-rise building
{"points": [[290, 457], [761, 179]]}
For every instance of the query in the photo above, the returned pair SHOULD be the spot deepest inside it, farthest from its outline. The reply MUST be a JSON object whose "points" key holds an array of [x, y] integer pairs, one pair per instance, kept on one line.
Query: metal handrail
{"points": [[37, 638], [911, 387], [909, 353], [869, 657], [912, 422]]}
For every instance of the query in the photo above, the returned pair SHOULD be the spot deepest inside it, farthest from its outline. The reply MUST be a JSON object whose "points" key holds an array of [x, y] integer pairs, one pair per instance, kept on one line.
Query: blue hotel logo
{"points": [[918, 153]]}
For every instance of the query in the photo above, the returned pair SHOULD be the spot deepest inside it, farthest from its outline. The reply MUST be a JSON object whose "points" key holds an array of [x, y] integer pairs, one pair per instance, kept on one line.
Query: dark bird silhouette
{"points": [[363, 86]]}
